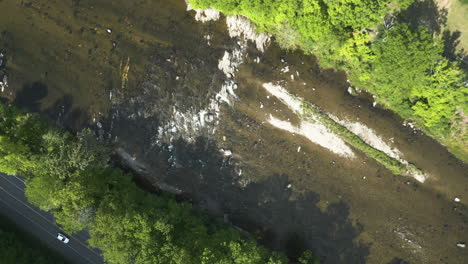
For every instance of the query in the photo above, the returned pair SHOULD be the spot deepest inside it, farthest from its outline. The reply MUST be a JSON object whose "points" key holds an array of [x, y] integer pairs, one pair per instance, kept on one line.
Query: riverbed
{"points": [[189, 101]]}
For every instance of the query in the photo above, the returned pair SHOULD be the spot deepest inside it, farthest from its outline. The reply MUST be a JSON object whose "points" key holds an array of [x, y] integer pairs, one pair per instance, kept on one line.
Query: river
{"points": [[194, 106]]}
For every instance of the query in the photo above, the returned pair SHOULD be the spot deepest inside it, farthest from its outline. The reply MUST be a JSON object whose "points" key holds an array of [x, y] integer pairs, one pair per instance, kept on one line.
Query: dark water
{"points": [[156, 61]]}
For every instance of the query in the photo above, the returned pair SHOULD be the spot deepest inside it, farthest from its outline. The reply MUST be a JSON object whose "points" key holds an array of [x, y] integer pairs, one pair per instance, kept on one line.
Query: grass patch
{"points": [[457, 19], [395, 166]]}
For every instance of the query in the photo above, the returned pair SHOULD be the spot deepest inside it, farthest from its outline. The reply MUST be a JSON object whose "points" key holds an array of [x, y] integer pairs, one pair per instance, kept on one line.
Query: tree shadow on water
{"points": [[398, 261], [268, 208], [65, 114], [30, 96], [61, 112]]}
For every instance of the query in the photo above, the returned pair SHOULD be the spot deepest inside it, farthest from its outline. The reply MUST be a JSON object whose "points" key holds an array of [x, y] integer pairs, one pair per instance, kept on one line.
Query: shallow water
{"points": [[62, 62]]}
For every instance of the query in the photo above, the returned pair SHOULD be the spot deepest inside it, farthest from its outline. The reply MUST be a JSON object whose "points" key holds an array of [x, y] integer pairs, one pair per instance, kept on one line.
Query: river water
{"points": [[190, 104]]}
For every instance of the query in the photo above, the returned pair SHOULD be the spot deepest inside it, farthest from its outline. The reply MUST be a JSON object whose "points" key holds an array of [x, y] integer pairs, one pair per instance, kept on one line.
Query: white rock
{"points": [[109, 30], [4, 83], [457, 200], [461, 244], [299, 149], [240, 26], [205, 15], [317, 133], [226, 152]]}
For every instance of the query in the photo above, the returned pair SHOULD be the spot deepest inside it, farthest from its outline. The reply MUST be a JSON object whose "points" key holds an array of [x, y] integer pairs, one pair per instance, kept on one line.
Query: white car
{"points": [[63, 238]]}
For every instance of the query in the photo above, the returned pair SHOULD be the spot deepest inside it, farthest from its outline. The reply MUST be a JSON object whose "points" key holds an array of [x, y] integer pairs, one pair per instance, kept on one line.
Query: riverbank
{"points": [[369, 59]]}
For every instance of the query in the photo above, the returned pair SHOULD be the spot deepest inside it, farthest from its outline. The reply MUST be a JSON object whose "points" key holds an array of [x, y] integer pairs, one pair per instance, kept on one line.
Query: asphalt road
{"points": [[15, 206]]}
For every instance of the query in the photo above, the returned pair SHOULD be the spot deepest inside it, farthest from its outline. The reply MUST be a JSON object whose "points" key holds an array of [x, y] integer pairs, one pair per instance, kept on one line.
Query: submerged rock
{"points": [[4, 83], [209, 117], [2, 59]]}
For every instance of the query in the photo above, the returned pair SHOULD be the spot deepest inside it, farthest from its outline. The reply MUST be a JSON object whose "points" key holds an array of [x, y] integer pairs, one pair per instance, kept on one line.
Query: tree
{"points": [[356, 14], [436, 104], [308, 258], [402, 60], [20, 136], [68, 180]]}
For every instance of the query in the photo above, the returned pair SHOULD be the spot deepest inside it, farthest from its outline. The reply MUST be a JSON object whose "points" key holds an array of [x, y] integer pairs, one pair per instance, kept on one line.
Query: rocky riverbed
{"points": [[194, 102]]}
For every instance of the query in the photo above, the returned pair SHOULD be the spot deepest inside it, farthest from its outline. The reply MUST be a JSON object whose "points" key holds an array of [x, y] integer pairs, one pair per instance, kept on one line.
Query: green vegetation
{"points": [[313, 113], [19, 247], [20, 136], [67, 175], [403, 66]]}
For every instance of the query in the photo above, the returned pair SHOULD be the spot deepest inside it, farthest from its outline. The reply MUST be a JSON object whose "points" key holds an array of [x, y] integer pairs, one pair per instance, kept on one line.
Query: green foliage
{"points": [[133, 226], [355, 14], [403, 67], [71, 180], [402, 60], [20, 136], [390, 163], [437, 103], [321, 26], [64, 154], [308, 258], [65, 180], [19, 247]]}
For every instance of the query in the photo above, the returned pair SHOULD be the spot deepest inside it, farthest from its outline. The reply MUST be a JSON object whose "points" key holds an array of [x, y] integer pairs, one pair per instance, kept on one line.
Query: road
{"points": [[15, 206]]}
